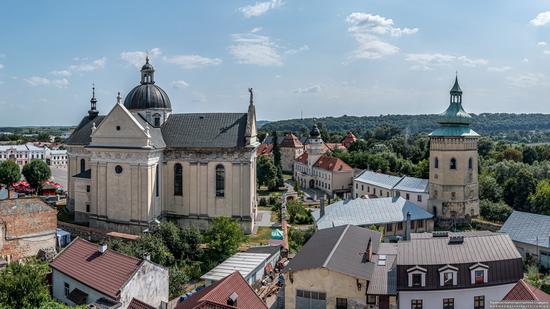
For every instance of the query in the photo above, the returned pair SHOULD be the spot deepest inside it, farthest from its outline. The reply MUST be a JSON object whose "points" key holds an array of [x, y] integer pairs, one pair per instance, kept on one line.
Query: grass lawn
{"points": [[262, 236]]}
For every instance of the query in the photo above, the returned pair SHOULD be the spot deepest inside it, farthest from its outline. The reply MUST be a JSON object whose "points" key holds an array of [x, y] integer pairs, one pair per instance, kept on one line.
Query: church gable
{"points": [[120, 128]]}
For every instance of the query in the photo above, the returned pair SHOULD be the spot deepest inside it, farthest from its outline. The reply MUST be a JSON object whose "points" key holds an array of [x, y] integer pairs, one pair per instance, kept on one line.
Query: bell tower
{"points": [[454, 191]]}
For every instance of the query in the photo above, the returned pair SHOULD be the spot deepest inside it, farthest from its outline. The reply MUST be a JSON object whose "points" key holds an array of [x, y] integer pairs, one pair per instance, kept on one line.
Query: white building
{"points": [[57, 157], [22, 154]]}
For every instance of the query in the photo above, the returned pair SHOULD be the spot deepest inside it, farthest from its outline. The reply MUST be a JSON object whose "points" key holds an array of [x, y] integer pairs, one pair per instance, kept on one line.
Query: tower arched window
{"points": [[220, 180], [436, 162], [178, 179], [157, 181], [470, 163], [82, 165], [453, 164], [156, 120]]}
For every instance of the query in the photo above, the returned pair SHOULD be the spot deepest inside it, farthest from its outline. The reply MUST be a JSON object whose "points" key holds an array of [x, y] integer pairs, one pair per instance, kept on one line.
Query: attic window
{"points": [[118, 128]]}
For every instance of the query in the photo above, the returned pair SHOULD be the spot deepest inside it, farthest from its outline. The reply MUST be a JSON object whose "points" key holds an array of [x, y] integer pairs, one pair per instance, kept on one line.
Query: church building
{"points": [[142, 163], [453, 181]]}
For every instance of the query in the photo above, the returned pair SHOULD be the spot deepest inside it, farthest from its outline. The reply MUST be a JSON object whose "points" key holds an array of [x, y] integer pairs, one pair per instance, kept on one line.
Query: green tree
{"points": [[359, 145], [423, 169], [224, 236], [297, 238], [43, 137], [517, 190], [178, 278], [147, 244], [266, 172], [191, 238], [24, 285], [540, 199], [276, 150], [9, 174], [530, 155], [512, 154], [36, 172], [494, 211], [489, 188], [170, 234]]}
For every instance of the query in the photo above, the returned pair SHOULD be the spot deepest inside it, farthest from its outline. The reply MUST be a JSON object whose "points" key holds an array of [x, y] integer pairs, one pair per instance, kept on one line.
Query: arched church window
{"points": [[436, 163], [470, 163], [157, 183], [453, 164], [220, 180], [178, 179], [82, 165]]}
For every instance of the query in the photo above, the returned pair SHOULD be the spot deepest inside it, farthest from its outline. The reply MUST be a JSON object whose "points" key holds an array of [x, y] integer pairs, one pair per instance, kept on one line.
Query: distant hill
{"points": [[261, 123], [486, 123]]}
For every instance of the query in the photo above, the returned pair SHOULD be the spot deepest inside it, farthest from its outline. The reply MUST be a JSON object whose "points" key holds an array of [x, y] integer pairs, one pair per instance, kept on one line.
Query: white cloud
{"points": [[526, 80], [256, 29], [297, 50], [310, 89], [367, 29], [541, 43], [42, 81], [250, 48], [1, 66], [88, 66], [499, 69], [260, 8], [426, 61], [541, 19], [192, 61], [64, 73], [137, 58], [180, 84], [525, 60]]}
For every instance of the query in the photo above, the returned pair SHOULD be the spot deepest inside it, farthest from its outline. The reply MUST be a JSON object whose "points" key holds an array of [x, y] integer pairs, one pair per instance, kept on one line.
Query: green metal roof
{"points": [[454, 131], [455, 114], [456, 86]]}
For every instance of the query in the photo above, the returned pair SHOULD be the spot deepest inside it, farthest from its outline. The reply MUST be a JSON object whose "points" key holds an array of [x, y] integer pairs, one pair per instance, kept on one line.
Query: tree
{"points": [[517, 190], [359, 145], [224, 236], [540, 199], [148, 244], [9, 174], [43, 137], [276, 150], [36, 172], [297, 238], [512, 154], [171, 237], [266, 171], [489, 188], [494, 211], [24, 285], [530, 155]]}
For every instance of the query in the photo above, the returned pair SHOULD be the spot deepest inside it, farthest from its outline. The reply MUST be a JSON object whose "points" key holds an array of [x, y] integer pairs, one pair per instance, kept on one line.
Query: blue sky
{"points": [[322, 58]]}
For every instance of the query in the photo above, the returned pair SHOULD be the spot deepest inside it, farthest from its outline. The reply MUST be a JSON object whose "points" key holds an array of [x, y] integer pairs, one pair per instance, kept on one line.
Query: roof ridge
{"points": [[528, 288], [336, 245]]}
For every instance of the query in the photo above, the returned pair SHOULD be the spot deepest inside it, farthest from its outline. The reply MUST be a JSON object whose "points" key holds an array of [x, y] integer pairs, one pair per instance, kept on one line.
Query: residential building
{"points": [[342, 267], [265, 150], [531, 235], [22, 154], [251, 265], [57, 157], [290, 148], [439, 270], [228, 293], [27, 226], [523, 292], [372, 184], [143, 163], [348, 139], [454, 164], [85, 273], [395, 214]]}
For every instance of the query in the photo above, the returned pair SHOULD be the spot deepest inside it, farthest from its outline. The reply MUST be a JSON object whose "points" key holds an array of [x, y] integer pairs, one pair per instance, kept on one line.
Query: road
{"points": [[59, 175]]}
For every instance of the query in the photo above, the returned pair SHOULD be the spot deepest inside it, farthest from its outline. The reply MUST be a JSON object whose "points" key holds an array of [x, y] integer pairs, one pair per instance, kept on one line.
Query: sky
{"points": [[302, 57]]}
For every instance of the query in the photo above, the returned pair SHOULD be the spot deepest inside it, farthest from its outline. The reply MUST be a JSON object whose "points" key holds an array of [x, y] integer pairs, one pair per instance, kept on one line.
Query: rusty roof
{"points": [[104, 272], [332, 164], [291, 141], [303, 158], [523, 291], [216, 295], [138, 304], [23, 205]]}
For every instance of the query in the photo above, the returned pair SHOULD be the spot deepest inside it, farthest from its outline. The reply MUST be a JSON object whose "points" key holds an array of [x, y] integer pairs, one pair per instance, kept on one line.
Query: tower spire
{"points": [[92, 113]]}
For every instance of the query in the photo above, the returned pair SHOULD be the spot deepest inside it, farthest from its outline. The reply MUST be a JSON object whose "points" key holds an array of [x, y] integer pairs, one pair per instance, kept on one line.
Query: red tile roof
{"points": [[350, 138], [523, 291], [291, 141], [216, 295], [332, 164], [334, 146], [138, 304], [105, 272], [264, 149], [302, 158]]}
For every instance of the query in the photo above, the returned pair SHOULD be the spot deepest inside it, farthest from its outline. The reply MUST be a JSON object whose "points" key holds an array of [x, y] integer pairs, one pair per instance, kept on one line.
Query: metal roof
{"points": [[384, 277], [81, 135], [412, 184], [378, 179], [243, 262], [146, 96], [528, 228], [454, 131], [436, 251], [365, 212]]}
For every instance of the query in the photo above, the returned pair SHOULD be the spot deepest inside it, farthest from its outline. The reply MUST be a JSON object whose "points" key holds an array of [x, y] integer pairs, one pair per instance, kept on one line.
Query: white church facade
{"points": [[141, 163]]}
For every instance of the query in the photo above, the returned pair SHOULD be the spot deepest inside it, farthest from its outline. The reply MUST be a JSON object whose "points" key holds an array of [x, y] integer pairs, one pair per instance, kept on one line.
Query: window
{"points": [[436, 162], [118, 169], [356, 186], [453, 164], [399, 226], [479, 302], [388, 194], [362, 187], [220, 180], [371, 299], [389, 227], [419, 198], [82, 165], [479, 276], [157, 178], [67, 288], [448, 278], [87, 188], [87, 207], [470, 163], [420, 224], [156, 120], [416, 304], [118, 128], [178, 179], [368, 189], [416, 279], [341, 303], [448, 303], [407, 196]]}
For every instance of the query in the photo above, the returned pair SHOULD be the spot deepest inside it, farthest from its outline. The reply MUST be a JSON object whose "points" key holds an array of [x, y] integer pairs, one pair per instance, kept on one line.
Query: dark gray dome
{"points": [[147, 96], [314, 131]]}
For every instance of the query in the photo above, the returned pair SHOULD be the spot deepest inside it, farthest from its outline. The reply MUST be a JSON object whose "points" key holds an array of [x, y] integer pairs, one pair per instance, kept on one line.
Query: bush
{"points": [[263, 202], [224, 236], [273, 200], [494, 211], [297, 238], [298, 214]]}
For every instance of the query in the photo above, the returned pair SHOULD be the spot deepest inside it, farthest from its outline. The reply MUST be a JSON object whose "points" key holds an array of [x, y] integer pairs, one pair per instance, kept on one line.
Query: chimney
{"points": [[147, 256], [102, 247], [232, 299], [322, 207], [408, 227]]}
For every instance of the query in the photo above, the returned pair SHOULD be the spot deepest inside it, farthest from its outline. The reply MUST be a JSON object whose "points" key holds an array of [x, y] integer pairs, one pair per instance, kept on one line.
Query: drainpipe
{"points": [[408, 227]]}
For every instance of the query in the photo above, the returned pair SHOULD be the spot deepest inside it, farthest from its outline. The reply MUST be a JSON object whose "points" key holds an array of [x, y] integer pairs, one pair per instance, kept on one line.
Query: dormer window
{"points": [[479, 273], [156, 120], [448, 275], [417, 276]]}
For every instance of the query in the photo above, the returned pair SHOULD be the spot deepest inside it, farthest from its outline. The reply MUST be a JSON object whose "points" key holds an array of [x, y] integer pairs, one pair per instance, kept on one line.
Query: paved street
{"points": [[59, 175], [263, 218]]}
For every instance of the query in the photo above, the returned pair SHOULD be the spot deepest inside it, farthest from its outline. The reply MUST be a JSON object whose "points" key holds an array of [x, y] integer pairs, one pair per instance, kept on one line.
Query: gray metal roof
{"points": [[451, 234], [365, 212], [243, 262], [84, 174], [384, 277], [378, 179], [528, 228], [157, 141], [412, 184], [437, 251], [339, 249], [205, 130], [81, 135], [147, 96], [265, 249]]}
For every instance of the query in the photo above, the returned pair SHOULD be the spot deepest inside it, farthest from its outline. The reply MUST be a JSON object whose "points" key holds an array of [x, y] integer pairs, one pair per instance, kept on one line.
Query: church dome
{"points": [[147, 95], [314, 133]]}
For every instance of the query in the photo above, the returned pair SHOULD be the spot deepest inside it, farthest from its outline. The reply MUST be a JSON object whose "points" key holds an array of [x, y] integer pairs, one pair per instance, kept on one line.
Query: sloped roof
{"points": [[216, 295], [105, 272], [412, 184], [332, 164], [334, 146], [157, 140], [84, 174], [528, 228], [23, 205], [523, 291], [348, 139], [138, 304], [437, 250], [303, 158], [205, 130], [364, 212], [340, 249], [81, 135], [291, 141], [378, 179], [264, 149], [243, 262]]}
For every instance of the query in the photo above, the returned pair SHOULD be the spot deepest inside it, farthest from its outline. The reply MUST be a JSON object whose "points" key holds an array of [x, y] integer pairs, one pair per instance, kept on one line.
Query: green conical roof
{"points": [[456, 87]]}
